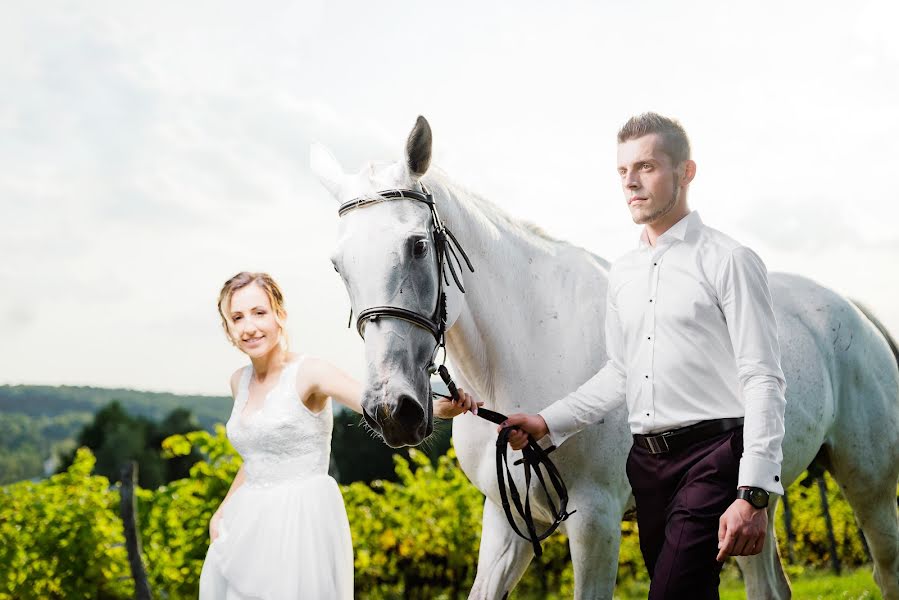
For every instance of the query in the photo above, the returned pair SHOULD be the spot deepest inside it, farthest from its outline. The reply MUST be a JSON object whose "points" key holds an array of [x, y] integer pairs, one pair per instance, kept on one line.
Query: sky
{"points": [[150, 150]]}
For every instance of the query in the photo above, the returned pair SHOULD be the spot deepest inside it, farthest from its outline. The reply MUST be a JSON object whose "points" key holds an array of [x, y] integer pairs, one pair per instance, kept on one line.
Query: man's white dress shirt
{"points": [[690, 336]]}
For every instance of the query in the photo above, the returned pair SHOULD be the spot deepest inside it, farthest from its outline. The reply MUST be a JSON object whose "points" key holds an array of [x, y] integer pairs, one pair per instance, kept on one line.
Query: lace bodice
{"points": [[283, 440]]}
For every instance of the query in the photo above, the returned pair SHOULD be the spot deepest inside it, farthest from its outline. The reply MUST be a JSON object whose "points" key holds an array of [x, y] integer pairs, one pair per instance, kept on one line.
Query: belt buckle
{"points": [[657, 444]]}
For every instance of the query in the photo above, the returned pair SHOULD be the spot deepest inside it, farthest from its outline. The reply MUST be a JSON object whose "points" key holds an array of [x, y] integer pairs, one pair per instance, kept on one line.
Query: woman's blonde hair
{"points": [[271, 289]]}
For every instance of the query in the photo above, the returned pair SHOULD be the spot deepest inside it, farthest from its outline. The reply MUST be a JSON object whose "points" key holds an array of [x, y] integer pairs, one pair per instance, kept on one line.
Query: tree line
{"points": [[41, 424]]}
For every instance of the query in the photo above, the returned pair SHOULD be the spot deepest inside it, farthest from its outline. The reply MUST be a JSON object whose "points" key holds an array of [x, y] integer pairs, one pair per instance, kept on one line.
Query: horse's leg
{"points": [[763, 573], [867, 478], [594, 537], [502, 558]]}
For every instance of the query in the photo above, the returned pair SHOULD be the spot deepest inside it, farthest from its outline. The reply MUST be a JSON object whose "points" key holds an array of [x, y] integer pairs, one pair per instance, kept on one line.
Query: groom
{"points": [[693, 350]]}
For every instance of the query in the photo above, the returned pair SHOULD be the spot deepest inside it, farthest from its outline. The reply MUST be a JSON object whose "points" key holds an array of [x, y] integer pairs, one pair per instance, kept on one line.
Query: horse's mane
{"points": [[538, 231], [493, 213]]}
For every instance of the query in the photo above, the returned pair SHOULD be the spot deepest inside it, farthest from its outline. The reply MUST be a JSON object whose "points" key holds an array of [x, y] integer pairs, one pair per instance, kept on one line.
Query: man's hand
{"points": [[447, 408], [524, 424], [741, 530]]}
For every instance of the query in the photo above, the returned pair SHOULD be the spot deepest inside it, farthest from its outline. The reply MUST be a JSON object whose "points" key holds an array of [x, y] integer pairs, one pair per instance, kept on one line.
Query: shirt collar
{"points": [[678, 231]]}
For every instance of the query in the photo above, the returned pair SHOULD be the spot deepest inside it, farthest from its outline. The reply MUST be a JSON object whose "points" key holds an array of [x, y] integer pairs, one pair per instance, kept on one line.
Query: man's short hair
{"points": [[674, 139]]}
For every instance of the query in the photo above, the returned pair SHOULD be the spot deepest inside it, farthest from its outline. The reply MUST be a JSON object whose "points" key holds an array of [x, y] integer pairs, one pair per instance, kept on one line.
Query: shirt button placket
{"points": [[646, 366], [650, 334]]}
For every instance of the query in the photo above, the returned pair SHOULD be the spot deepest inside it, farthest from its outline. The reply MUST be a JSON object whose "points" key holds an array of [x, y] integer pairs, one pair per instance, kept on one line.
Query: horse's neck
{"points": [[517, 279]]}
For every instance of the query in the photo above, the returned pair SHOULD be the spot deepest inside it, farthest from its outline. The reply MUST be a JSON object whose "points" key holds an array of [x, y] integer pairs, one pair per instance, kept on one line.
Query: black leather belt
{"points": [[676, 439]]}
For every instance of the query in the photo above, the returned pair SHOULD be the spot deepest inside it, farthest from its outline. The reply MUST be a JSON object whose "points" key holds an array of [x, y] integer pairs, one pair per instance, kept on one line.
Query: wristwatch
{"points": [[757, 497]]}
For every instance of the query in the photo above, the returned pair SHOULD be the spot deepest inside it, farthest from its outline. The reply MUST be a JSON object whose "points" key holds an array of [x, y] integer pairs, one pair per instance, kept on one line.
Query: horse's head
{"points": [[387, 256]]}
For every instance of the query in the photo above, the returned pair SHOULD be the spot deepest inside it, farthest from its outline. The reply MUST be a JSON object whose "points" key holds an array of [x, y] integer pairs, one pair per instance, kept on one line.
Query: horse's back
{"points": [[840, 373]]}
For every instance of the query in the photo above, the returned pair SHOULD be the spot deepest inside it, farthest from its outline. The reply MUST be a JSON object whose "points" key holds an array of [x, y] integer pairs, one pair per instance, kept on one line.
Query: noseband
{"points": [[533, 456]]}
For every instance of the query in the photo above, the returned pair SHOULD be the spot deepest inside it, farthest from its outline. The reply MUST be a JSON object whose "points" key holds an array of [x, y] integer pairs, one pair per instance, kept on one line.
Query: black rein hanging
{"points": [[533, 456]]}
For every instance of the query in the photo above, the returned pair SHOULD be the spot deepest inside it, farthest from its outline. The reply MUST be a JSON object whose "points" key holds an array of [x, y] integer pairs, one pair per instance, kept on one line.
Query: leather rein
{"points": [[534, 458]]}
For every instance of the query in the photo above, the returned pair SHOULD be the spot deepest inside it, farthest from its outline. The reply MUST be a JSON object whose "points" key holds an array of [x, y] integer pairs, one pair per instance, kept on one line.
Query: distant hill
{"points": [[48, 401], [39, 422]]}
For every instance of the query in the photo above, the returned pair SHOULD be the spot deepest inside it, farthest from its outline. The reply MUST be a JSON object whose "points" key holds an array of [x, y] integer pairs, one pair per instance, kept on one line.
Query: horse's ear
{"points": [[326, 168], [418, 148]]}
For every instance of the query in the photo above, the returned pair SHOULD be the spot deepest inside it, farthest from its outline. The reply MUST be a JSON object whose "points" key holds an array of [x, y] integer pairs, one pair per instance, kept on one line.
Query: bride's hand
{"points": [[214, 526], [447, 408]]}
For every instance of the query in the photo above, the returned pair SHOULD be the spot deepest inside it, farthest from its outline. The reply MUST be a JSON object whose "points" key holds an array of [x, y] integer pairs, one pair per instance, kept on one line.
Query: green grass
{"points": [[820, 585], [855, 584], [809, 585]]}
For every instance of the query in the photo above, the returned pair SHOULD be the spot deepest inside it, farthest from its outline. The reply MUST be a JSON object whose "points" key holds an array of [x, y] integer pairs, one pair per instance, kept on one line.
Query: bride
{"points": [[281, 533]]}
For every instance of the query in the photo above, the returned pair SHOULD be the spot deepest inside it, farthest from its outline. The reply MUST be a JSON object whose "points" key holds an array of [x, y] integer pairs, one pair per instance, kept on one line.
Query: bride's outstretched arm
{"points": [[320, 379], [324, 379]]}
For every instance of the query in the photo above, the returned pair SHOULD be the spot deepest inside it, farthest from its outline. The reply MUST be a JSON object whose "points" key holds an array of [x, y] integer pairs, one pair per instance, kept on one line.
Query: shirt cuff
{"points": [[761, 473], [561, 424]]}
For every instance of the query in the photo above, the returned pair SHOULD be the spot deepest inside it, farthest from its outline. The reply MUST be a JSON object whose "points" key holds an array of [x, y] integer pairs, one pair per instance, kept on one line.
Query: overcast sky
{"points": [[150, 150]]}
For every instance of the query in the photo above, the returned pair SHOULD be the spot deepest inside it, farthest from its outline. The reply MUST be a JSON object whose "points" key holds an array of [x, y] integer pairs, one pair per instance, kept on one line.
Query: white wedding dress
{"points": [[283, 534]]}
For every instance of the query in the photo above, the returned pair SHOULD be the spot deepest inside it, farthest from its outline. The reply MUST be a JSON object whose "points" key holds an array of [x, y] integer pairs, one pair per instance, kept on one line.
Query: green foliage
{"points": [[62, 538], [811, 545], [38, 423], [26, 441], [420, 533], [419, 537], [116, 437], [22, 463], [352, 439], [416, 537], [175, 518], [630, 559]]}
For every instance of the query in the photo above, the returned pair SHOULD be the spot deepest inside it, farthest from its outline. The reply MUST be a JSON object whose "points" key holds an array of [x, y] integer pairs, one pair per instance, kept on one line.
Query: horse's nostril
{"points": [[371, 420], [408, 412]]}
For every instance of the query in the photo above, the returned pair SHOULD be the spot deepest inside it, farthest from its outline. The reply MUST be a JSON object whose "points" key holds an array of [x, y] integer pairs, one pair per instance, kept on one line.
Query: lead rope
{"points": [[533, 456]]}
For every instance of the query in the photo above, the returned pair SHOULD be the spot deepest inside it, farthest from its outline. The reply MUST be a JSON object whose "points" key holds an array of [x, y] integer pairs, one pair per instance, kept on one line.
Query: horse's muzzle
{"points": [[401, 420]]}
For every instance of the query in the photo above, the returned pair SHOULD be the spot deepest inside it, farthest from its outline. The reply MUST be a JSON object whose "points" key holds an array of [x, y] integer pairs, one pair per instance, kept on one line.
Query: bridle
{"points": [[444, 242], [533, 456]]}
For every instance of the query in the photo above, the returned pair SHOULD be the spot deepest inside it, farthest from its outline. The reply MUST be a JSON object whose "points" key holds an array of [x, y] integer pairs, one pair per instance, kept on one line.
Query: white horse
{"points": [[529, 329]]}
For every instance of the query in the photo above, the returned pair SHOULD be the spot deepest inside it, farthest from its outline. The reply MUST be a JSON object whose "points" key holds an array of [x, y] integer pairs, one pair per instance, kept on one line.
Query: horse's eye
{"points": [[420, 248]]}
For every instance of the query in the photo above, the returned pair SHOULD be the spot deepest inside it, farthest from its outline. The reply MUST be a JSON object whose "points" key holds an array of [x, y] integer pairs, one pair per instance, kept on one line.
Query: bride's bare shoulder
{"points": [[310, 368]]}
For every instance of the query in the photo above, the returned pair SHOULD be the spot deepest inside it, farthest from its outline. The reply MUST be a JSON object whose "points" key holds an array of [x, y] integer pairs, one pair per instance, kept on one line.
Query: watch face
{"points": [[758, 498]]}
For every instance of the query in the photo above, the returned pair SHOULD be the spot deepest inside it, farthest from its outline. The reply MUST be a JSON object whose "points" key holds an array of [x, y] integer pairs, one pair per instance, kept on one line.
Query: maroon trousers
{"points": [[680, 497]]}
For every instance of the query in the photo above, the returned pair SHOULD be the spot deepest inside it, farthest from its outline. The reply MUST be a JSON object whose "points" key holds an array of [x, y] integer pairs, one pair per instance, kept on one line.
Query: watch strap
{"points": [[757, 497]]}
